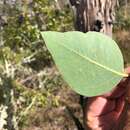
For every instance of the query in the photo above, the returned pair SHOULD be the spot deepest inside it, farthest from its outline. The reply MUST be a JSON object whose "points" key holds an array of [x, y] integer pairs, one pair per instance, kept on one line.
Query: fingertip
{"points": [[127, 70]]}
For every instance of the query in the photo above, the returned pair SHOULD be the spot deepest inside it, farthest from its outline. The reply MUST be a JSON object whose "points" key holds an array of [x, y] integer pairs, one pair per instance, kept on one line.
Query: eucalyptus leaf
{"points": [[91, 63]]}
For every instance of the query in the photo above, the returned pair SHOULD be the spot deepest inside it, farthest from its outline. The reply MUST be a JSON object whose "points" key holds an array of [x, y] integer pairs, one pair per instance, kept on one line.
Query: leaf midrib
{"points": [[96, 63]]}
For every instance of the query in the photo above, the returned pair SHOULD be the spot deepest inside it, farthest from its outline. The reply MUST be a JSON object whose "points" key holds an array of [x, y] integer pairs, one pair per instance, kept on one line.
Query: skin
{"points": [[104, 112]]}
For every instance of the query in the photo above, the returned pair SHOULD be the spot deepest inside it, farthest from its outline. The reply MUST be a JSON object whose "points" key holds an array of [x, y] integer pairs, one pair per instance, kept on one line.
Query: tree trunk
{"points": [[94, 15], [97, 15]]}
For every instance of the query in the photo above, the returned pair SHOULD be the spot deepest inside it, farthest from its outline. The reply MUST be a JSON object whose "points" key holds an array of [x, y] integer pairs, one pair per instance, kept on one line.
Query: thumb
{"points": [[127, 70]]}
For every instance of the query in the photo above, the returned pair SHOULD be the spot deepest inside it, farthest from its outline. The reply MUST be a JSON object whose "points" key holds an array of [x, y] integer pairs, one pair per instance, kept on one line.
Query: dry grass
{"points": [[123, 39]]}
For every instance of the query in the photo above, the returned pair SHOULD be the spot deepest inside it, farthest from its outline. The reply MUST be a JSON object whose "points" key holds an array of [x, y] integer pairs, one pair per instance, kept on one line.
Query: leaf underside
{"points": [[91, 63]]}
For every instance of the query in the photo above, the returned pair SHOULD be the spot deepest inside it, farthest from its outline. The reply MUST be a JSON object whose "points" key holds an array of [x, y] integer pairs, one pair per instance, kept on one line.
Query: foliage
{"points": [[21, 34], [23, 55]]}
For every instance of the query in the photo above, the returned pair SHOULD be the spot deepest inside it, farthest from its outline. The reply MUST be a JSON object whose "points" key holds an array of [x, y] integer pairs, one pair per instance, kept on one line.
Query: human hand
{"points": [[104, 112]]}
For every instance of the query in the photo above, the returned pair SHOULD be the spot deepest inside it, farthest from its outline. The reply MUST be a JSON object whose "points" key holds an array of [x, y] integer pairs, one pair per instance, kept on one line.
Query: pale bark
{"points": [[94, 15]]}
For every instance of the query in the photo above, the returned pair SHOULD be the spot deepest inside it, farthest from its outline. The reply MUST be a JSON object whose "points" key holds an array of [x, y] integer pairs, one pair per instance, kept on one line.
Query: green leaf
{"points": [[91, 63]]}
